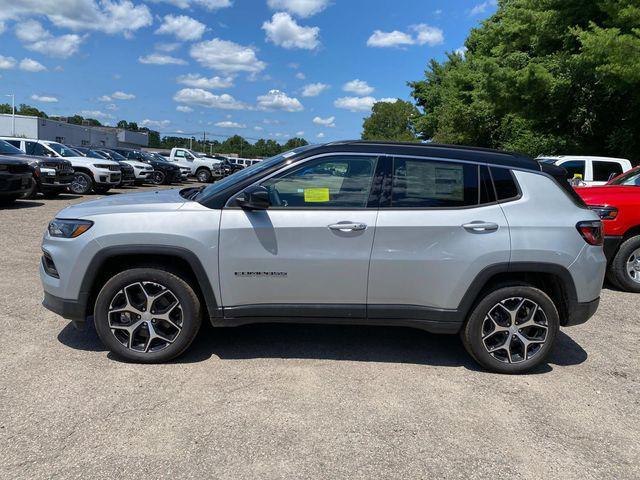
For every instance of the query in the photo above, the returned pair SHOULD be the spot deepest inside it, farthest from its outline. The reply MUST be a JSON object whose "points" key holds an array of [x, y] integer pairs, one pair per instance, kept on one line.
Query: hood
{"points": [[605, 194], [160, 200], [136, 164]]}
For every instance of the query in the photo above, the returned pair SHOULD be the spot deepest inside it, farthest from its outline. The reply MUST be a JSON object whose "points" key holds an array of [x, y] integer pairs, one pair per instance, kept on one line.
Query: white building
{"points": [[70, 134]]}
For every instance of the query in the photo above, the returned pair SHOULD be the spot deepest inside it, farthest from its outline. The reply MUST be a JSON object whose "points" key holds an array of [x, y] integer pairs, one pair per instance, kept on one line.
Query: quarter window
{"points": [[333, 182], [506, 187], [433, 184], [605, 171]]}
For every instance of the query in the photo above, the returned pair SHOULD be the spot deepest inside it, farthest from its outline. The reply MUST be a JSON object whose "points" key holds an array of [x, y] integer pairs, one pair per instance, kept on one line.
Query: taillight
{"points": [[591, 232], [605, 213]]}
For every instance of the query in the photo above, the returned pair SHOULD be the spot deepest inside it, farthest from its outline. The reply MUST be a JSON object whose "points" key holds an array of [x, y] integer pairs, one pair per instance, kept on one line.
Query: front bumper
{"points": [[108, 177], [74, 310], [13, 184], [54, 180]]}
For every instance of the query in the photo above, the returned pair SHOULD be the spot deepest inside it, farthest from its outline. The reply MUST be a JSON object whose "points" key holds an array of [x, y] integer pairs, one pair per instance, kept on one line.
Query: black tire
{"points": [[203, 175], [189, 305], [81, 184], [618, 271], [32, 192], [101, 190], [474, 333], [157, 177]]}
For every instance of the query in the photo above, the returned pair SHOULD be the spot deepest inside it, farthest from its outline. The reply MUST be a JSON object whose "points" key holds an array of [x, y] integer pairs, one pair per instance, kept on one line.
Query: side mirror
{"points": [[254, 198]]}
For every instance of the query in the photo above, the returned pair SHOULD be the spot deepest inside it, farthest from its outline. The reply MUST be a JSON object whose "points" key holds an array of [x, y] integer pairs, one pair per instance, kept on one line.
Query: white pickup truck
{"points": [[205, 169]]}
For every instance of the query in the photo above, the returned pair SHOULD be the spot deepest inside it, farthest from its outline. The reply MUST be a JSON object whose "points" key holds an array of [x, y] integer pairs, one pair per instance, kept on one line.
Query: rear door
{"points": [[604, 170], [308, 254], [436, 231]]}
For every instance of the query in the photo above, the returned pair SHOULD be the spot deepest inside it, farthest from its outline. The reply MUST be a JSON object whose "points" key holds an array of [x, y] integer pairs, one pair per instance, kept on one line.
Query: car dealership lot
{"points": [[303, 401]]}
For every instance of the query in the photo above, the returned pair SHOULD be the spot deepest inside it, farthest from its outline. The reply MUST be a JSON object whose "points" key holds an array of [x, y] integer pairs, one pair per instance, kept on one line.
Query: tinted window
{"points": [[8, 149], [332, 182], [487, 193], [574, 167], [605, 171], [34, 148], [427, 184], [505, 184], [15, 143], [631, 178]]}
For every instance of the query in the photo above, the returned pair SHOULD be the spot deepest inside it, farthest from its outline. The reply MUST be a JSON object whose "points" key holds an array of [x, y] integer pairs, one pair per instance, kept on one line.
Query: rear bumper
{"points": [[13, 184], [581, 312], [611, 245]]}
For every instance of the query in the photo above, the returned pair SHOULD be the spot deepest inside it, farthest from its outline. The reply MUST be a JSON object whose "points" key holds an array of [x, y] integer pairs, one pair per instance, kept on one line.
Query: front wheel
{"points": [[625, 267], [33, 190], [203, 175], [512, 329], [157, 177], [147, 315], [81, 183]]}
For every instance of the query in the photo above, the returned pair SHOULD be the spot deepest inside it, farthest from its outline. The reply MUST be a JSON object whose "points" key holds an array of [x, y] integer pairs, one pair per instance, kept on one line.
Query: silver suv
{"points": [[490, 245]]}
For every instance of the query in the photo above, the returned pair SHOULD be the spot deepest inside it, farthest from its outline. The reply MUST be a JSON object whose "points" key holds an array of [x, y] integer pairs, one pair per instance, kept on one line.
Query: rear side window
{"points": [[432, 184], [34, 148], [574, 168], [15, 143], [605, 171], [505, 184]]}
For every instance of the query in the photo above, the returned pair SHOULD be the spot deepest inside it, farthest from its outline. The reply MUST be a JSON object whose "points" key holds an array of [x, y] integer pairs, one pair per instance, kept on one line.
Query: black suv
{"points": [[128, 175], [164, 172], [51, 176], [15, 179]]}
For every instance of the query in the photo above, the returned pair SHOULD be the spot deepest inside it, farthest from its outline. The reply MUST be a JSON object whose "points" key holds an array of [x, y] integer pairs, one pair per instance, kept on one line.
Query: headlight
{"points": [[102, 165], [605, 213], [68, 228]]}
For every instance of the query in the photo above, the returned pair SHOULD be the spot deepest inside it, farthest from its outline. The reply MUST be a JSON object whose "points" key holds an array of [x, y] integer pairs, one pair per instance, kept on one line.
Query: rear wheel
{"points": [[512, 329], [203, 175], [147, 315], [33, 190], [81, 183], [625, 267]]}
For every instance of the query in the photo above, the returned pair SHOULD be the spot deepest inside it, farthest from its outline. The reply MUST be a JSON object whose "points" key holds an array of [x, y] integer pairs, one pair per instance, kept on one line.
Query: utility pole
{"points": [[191, 143], [13, 114]]}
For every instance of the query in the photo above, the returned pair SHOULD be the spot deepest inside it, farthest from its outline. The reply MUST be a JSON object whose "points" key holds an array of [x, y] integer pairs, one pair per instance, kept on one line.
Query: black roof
{"points": [[453, 152]]}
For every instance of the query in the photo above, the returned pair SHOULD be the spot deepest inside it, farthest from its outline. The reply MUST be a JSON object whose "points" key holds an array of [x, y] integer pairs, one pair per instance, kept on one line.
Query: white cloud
{"points": [[203, 98], [43, 98], [108, 16], [285, 32], [95, 114], [198, 81], [320, 135], [37, 39], [208, 4], [461, 52], [481, 8], [182, 27], [167, 47], [258, 128], [388, 100], [277, 100], [228, 124], [300, 133], [300, 76], [424, 34], [7, 63], [112, 106], [3, 27], [325, 122], [122, 96], [30, 65], [184, 109], [314, 89], [160, 59], [226, 56], [389, 39], [355, 104], [359, 87], [301, 8], [159, 124]]}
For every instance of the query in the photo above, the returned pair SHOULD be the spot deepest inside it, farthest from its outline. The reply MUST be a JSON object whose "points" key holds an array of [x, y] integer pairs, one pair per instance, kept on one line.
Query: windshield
{"points": [[151, 157], [62, 150], [629, 179], [113, 155], [241, 175], [8, 149]]}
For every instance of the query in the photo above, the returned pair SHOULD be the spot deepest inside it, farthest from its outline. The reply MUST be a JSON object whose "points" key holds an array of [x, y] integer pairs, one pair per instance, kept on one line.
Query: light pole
{"points": [[13, 114]]}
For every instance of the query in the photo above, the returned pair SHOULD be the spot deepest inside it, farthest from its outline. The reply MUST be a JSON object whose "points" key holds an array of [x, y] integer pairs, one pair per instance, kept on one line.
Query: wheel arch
{"points": [[113, 260]]}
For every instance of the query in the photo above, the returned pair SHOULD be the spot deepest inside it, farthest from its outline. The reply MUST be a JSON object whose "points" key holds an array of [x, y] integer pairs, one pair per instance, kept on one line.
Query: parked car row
{"points": [[55, 168]]}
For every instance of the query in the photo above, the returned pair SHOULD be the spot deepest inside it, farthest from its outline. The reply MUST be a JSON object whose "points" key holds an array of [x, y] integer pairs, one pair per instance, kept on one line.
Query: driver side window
{"points": [[330, 182]]}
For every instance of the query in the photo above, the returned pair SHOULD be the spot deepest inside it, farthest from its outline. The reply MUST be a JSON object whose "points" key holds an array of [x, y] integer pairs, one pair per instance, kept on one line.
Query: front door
{"points": [[308, 253]]}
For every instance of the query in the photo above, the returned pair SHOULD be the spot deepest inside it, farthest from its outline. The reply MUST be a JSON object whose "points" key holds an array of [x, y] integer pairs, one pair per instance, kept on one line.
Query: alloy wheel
{"points": [[157, 177], [79, 184], [633, 266], [145, 317], [515, 330]]}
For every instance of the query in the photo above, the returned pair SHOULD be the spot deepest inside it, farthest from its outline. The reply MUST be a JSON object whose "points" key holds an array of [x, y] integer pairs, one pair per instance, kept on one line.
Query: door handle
{"points": [[480, 227], [348, 227]]}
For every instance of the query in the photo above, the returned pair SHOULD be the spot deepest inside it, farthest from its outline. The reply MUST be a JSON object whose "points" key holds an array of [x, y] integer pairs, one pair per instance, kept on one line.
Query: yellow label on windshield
{"points": [[316, 195]]}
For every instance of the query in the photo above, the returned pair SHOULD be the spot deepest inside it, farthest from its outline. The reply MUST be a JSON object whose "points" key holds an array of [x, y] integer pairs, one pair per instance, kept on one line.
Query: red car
{"points": [[618, 204]]}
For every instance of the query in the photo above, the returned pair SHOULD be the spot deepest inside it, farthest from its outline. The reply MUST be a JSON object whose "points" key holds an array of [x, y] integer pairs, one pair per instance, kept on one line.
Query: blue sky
{"points": [[258, 68]]}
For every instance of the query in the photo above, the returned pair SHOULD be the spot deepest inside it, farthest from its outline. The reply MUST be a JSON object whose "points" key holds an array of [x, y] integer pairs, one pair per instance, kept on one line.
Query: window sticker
{"points": [[316, 195]]}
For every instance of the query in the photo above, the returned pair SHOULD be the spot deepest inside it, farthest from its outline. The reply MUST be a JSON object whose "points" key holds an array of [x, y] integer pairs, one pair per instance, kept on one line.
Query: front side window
{"points": [[575, 168], [34, 148], [605, 171], [421, 183], [629, 179], [330, 182], [62, 150]]}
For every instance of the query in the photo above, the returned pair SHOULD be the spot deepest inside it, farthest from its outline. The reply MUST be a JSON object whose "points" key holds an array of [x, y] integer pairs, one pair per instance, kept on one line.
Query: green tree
{"points": [[294, 143], [391, 121], [25, 109], [541, 77]]}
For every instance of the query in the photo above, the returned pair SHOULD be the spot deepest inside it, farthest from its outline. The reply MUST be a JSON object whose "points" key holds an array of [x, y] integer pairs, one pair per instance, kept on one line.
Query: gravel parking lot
{"points": [[304, 401]]}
